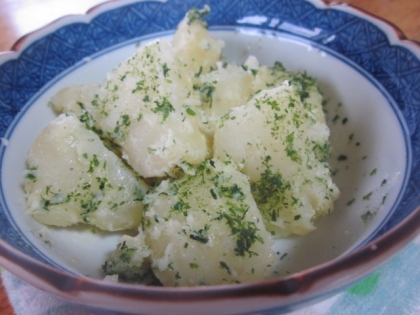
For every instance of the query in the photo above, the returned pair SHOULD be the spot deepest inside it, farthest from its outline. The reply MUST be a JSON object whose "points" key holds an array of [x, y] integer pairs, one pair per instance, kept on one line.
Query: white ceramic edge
{"points": [[387, 26]]}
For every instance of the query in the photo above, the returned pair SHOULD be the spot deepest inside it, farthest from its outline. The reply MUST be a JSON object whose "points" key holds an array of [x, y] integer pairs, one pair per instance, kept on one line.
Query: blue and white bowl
{"points": [[370, 75]]}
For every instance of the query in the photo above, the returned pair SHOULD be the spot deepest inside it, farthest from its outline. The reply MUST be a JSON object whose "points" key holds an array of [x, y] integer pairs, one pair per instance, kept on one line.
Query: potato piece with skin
{"points": [[206, 229], [271, 138], [73, 178]]}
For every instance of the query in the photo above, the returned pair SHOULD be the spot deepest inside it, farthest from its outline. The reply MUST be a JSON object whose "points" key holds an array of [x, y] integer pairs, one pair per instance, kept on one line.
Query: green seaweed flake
{"points": [[163, 107], [246, 232]]}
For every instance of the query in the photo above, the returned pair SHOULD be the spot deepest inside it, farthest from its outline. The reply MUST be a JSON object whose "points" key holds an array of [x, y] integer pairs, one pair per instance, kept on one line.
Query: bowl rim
{"points": [[310, 284], [25, 40], [324, 279], [361, 12]]}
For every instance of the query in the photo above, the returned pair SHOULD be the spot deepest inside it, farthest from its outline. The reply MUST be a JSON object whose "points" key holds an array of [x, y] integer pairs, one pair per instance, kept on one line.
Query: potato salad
{"points": [[207, 161]]}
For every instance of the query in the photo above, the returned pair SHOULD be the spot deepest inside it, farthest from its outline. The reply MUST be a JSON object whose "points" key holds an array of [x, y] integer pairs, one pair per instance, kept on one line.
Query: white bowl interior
{"points": [[366, 128]]}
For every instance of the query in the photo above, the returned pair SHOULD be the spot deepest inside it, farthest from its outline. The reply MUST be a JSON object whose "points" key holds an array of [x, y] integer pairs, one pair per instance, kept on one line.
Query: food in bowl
{"points": [[209, 160]]}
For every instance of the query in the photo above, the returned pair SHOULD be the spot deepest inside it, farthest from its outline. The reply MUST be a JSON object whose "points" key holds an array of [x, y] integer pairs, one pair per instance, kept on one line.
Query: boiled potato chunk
{"points": [[130, 260], [194, 45], [274, 139], [154, 148], [143, 105], [274, 76], [73, 178], [219, 95], [75, 98], [205, 228], [152, 80], [266, 77]]}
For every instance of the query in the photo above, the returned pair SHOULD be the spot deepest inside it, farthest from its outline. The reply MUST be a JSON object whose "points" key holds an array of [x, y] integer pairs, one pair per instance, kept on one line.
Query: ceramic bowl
{"points": [[369, 74]]}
